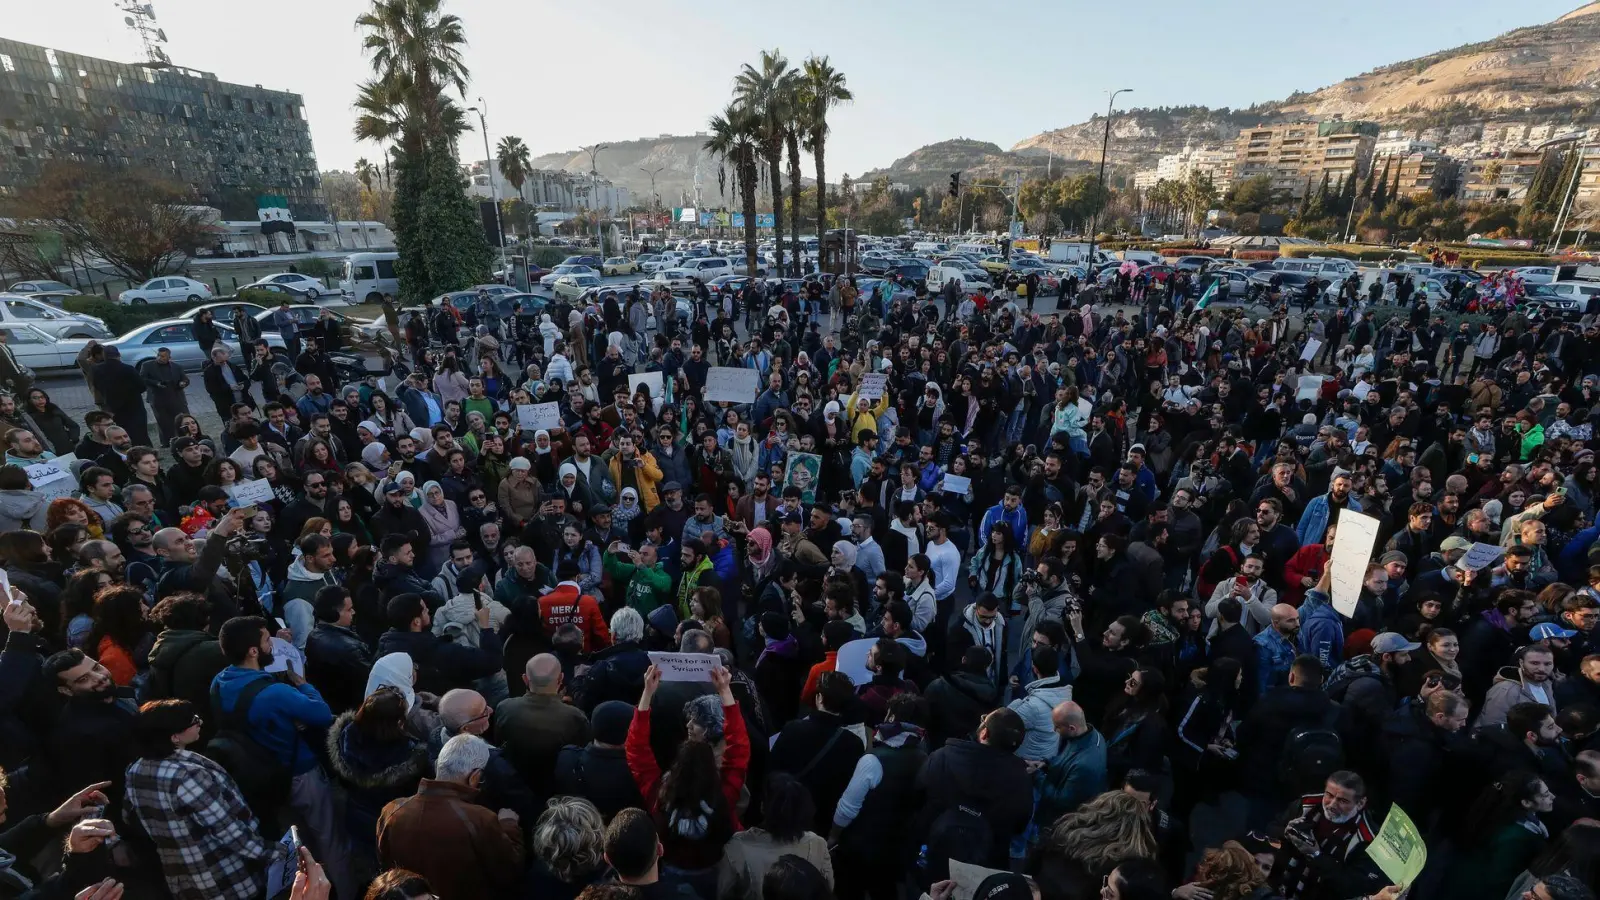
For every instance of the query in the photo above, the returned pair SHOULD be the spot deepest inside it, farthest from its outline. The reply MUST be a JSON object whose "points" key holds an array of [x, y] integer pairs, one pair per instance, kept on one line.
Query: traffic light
{"points": [[955, 184]]}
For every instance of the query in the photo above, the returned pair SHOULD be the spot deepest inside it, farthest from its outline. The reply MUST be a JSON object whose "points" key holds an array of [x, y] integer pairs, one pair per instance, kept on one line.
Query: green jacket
{"points": [[687, 584], [1531, 441], [647, 588]]}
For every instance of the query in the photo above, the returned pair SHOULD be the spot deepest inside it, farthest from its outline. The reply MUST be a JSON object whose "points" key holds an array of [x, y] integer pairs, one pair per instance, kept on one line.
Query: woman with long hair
{"points": [[568, 850], [188, 426], [223, 472], [1136, 726], [76, 616], [72, 511], [370, 620], [319, 457], [58, 427], [787, 817], [1244, 536], [285, 485], [389, 416], [1205, 733], [583, 553], [1229, 872], [64, 541], [120, 637], [694, 802], [997, 567], [347, 521], [1081, 849], [377, 761], [1502, 835], [1576, 854]]}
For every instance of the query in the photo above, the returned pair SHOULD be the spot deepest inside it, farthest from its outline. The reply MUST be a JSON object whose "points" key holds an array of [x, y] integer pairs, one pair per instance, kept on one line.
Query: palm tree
{"points": [[365, 172], [417, 54], [766, 92], [823, 87], [511, 155], [736, 140]]}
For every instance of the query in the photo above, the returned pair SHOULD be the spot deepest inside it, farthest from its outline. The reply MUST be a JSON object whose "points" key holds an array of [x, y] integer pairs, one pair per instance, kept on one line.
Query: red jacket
{"points": [[647, 775], [808, 694], [1307, 562], [565, 606]]}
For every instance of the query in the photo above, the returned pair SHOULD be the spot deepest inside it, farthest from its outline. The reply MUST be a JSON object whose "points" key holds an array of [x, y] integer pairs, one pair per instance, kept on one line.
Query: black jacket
{"points": [[217, 386], [992, 781], [392, 581], [617, 673], [821, 754], [201, 577], [1274, 715], [445, 664], [599, 775], [123, 389], [182, 664], [27, 701], [1421, 777], [337, 665], [956, 703], [406, 520]]}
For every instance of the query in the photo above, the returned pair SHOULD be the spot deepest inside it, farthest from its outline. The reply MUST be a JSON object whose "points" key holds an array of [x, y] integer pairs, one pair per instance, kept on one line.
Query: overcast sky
{"points": [[560, 75]]}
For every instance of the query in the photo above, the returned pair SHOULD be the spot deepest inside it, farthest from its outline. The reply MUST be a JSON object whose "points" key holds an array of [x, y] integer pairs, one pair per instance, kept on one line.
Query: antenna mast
{"points": [[141, 18]]}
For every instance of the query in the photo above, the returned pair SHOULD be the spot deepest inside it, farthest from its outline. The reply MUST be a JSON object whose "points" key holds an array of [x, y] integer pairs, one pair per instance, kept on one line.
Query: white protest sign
{"points": [[54, 478], [967, 878], [686, 666], [1352, 550], [651, 379], [5, 587], [1310, 387], [284, 867], [872, 385], [252, 493], [539, 416], [735, 385], [852, 661], [957, 484], [1480, 555], [1310, 352]]}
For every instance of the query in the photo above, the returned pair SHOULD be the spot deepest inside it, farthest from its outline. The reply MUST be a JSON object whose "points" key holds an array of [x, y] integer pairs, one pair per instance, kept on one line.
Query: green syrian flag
{"points": [[1211, 291]]}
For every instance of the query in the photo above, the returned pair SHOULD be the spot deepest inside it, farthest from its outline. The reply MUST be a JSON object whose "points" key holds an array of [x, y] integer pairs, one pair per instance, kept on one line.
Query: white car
{"points": [[44, 287], [1536, 274], [312, 288], [22, 309], [166, 289], [674, 279], [564, 269]]}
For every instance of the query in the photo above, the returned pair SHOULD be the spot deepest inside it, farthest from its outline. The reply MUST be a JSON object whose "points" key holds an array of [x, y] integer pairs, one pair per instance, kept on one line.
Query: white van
{"points": [[1319, 266], [368, 276], [969, 279], [1143, 257]]}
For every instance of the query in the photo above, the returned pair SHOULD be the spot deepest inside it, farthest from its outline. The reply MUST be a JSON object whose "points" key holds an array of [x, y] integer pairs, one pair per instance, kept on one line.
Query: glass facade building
{"points": [[229, 141]]}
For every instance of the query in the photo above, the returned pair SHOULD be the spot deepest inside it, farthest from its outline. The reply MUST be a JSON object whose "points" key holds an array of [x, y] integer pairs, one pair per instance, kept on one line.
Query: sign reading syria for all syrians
{"points": [[686, 666]]}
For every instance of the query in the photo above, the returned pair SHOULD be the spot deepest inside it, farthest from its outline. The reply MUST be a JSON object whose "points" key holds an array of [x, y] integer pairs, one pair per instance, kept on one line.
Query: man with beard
{"points": [[92, 740], [315, 401], [1276, 648], [1322, 856], [1324, 508], [1529, 681], [1278, 541]]}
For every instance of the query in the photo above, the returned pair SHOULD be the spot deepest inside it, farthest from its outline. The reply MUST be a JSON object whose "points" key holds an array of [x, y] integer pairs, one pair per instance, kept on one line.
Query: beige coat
{"points": [[748, 856]]}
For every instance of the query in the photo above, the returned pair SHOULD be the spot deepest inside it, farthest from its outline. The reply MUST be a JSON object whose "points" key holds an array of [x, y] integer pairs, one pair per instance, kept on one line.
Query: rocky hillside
{"points": [[621, 162], [1140, 136], [931, 166], [1531, 73]]}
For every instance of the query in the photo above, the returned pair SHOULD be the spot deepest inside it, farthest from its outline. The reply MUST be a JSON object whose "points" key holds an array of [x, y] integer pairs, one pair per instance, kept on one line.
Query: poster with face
{"points": [[802, 472]]}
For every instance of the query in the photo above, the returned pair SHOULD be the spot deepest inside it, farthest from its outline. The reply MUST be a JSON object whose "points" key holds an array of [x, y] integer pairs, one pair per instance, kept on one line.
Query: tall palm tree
{"points": [[766, 92], [511, 155], [822, 87], [365, 172], [416, 51], [794, 126], [736, 141]]}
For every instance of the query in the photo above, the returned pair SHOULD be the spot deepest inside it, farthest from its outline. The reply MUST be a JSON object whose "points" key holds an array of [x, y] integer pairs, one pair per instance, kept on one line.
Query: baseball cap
{"points": [[181, 444], [789, 516], [1389, 642], [1547, 630], [1004, 886], [521, 463], [1455, 542], [394, 488]]}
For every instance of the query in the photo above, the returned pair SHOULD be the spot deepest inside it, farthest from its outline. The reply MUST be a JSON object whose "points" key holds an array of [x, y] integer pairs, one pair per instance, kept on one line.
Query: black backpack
{"points": [[959, 833], [262, 778], [1310, 754]]}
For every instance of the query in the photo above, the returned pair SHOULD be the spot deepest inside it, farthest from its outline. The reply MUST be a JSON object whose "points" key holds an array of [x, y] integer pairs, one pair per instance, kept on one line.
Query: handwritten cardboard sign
{"points": [[1352, 548], [252, 493], [686, 666], [539, 416], [872, 385], [957, 484], [1480, 555]]}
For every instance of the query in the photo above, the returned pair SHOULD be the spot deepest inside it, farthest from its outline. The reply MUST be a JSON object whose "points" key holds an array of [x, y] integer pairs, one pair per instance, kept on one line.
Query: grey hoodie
{"points": [[1040, 699], [22, 509]]}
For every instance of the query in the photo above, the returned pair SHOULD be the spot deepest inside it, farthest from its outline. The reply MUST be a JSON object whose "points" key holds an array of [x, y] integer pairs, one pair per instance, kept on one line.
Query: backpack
{"points": [[1310, 754], [262, 778], [958, 833]]}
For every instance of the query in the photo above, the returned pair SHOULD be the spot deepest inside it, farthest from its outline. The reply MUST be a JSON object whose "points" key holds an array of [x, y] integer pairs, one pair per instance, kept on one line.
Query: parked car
{"points": [[573, 286], [303, 285], [306, 317], [1536, 274], [177, 335], [222, 310], [299, 292], [44, 287], [27, 310], [564, 270], [619, 265], [166, 289], [592, 262]]}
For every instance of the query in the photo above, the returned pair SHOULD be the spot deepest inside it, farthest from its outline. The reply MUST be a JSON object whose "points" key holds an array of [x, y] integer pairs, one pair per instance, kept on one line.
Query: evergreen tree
{"points": [[1380, 197], [1347, 194], [458, 253], [1305, 200], [1394, 189], [411, 266], [1372, 178]]}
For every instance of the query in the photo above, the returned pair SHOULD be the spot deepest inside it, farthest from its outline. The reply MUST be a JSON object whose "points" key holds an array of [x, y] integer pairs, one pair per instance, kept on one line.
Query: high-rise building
{"points": [[231, 142], [1300, 153]]}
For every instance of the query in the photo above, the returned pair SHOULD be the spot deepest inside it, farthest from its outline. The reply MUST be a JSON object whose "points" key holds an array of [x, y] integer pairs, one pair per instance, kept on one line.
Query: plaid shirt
{"points": [[205, 834]]}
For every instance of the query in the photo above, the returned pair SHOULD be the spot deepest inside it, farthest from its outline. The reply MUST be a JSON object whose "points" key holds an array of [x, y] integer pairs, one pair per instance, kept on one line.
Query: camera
{"points": [[1029, 576], [247, 546]]}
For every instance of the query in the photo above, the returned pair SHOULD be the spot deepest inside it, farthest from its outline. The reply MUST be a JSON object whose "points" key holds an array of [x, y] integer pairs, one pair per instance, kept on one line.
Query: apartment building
{"points": [[1501, 176], [1299, 153]]}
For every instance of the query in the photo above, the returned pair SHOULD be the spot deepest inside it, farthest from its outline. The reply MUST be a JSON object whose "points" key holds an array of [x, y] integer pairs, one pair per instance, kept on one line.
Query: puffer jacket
{"points": [[1508, 690], [1039, 699], [373, 774], [23, 509], [182, 664]]}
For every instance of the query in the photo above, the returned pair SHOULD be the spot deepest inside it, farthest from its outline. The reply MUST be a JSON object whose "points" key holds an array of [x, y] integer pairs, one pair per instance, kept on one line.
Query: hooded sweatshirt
{"points": [[299, 590], [22, 509], [457, 619]]}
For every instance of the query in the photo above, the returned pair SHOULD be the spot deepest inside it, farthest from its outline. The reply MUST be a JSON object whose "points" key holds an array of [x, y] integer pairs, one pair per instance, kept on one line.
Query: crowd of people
{"points": [[1057, 602]]}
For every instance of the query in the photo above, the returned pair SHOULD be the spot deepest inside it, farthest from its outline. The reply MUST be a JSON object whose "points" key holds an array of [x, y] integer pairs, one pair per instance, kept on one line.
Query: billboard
{"points": [[684, 215], [765, 220], [722, 219], [738, 220], [706, 219]]}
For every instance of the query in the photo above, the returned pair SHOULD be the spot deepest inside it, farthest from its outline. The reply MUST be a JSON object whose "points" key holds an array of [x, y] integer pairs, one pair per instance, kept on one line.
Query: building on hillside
{"points": [[1501, 176], [1299, 153], [1401, 143], [231, 142], [1427, 172], [551, 188], [1215, 163]]}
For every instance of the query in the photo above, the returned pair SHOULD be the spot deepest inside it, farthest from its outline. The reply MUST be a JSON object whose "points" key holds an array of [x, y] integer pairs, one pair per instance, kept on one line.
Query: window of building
{"points": [[55, 66], [7, 64], [54, 94]]}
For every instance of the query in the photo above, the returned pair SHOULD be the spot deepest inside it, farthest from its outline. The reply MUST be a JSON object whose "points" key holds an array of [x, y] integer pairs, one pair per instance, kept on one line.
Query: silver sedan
{"points": [[177, 335]]}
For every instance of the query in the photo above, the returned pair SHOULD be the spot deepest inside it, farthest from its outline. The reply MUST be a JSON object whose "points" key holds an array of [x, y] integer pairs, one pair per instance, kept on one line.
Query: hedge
{"points": [[1347, 251], [1255, 254], [121, 318]]}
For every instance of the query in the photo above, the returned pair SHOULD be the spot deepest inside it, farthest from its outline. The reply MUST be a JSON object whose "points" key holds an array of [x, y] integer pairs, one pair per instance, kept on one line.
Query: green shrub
{"points": [[319, 267], [259, 297], [120, 318], [545, 257]]}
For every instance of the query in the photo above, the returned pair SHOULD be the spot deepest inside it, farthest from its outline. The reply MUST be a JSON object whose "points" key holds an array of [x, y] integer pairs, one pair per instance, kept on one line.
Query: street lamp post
{"points": [[1105, 144], [655, 199], [494, 193], [594, 193]]}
